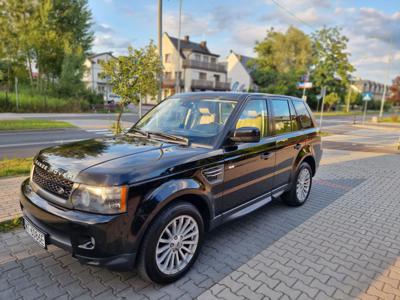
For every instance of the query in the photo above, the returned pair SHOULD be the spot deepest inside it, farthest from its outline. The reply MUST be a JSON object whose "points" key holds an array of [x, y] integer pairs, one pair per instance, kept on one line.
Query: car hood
{"points": [[118, 160]]}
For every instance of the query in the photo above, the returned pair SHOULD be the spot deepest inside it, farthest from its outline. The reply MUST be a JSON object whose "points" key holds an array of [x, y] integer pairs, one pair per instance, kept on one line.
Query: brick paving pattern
{"points": [[343, 243], [9, 196]]}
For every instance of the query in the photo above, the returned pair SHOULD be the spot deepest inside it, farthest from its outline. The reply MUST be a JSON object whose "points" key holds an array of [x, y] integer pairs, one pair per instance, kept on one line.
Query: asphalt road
{"points": [[28, 143]]}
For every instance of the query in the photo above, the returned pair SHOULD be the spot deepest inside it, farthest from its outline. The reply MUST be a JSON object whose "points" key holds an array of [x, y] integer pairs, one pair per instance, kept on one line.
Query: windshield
{"points": [[198, 120]]}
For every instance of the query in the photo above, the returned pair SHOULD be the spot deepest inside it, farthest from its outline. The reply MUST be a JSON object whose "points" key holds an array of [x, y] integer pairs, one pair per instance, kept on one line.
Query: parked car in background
{"points": [[112, 98], [193, 162]]}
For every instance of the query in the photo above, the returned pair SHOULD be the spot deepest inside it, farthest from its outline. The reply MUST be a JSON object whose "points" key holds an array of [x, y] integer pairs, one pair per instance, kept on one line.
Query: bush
{"points": [[30, 100]]}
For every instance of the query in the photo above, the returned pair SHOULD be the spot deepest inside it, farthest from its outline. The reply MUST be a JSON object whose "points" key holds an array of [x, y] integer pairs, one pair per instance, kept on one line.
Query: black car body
{"points": [[223, 179]]}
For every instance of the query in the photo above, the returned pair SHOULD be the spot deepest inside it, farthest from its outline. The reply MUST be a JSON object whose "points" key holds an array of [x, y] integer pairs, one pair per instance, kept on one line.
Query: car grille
{"points": [[52, 183]]}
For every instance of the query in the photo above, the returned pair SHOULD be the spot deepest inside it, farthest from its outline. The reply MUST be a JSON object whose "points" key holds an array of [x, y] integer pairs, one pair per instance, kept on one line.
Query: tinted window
{"points": [[281, 117], [303, 114], [254, 115]]}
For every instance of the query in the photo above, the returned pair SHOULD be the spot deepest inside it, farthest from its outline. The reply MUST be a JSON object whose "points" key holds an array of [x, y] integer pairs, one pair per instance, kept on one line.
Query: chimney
{"points": [[203, 44], [186, 38]]}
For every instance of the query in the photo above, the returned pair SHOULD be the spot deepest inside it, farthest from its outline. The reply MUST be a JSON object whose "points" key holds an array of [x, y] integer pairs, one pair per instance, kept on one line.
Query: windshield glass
{"points": [[199, 120]]}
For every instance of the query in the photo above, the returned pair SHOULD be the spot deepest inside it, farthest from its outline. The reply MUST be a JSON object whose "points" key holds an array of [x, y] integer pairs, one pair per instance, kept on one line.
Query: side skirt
{"points": [[247, 207]]}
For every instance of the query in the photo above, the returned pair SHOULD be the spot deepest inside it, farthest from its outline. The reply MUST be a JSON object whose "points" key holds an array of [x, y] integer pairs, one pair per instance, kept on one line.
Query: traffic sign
{"points": [[367, 96], [304, 85]]}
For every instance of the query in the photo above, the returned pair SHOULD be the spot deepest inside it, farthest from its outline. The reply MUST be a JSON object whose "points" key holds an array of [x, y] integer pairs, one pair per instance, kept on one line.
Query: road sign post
{"points": [[366, 97]]}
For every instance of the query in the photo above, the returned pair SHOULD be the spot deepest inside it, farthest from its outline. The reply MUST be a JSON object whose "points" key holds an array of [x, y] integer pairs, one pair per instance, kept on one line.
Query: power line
{"points": [[292, 14]]}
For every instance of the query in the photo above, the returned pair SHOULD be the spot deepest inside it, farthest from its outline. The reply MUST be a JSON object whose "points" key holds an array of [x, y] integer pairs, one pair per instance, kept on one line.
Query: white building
{"points": [[239, 73], [196, 67], [92, 78]]}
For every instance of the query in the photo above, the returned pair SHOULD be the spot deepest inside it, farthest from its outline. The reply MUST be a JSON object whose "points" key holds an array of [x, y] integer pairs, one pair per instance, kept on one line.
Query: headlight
{"points": [[105, 200]]}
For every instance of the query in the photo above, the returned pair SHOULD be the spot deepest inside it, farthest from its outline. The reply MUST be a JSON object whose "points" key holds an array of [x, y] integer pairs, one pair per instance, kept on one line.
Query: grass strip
{"points": [[27, 124]]}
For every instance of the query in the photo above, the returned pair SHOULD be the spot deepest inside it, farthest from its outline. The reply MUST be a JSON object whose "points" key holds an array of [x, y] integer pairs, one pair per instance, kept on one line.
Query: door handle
{"points": [[267, 155], [297, 146]]}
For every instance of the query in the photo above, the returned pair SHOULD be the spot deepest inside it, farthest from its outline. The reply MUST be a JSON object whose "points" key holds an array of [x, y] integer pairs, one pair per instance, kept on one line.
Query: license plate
{"points": [[36, 234]]}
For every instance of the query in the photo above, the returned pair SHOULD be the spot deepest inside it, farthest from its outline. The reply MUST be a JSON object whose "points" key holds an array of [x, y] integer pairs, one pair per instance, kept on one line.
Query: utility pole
{"points": [[160, 46], [386, 77], [177, 79]]}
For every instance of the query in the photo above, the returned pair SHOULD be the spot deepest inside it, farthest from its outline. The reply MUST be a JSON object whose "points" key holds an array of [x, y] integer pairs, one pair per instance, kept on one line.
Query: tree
{"points": [[42, 31], [331, 66], [395, 91], [282, 58], [331, 99], [70, 83], [133, 76]]}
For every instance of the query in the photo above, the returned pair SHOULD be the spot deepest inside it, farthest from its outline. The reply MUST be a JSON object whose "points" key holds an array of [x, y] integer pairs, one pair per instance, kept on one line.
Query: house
{"points": [[92, 78], [369, 86], [239, 73], [195, 68]]}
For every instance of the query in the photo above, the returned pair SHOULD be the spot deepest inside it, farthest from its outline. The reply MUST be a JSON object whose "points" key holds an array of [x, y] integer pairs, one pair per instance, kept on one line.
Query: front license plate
{"points": [[36, 234]]}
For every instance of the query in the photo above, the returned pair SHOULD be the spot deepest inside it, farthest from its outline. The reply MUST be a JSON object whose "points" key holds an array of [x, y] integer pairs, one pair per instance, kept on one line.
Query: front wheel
{"points": [[172, 244], [301, 186]]}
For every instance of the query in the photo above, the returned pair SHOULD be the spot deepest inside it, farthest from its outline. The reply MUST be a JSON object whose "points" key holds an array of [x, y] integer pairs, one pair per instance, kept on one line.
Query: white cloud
{"points": [[191, 25]]}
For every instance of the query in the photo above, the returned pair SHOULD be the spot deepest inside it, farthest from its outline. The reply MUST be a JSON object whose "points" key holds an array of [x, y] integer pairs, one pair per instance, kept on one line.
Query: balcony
{"points": [[202, 65], [171, 83], [201, 84], [222, 86]]}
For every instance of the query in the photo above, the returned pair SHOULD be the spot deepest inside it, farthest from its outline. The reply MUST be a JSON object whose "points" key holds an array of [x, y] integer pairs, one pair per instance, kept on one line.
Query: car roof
{"points": [[239, 96]]}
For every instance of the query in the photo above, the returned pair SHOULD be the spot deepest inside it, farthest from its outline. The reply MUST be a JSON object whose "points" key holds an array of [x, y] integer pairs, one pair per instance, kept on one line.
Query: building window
{"points": [[178, 75], [205, 58], [167, 58], [216, 77], [168, 75], [213, 60], [203, 76], [197, 57]]}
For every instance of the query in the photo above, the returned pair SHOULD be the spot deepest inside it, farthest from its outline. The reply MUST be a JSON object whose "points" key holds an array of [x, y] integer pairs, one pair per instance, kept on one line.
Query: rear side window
{"points": [[303, 114], [281, 116]]}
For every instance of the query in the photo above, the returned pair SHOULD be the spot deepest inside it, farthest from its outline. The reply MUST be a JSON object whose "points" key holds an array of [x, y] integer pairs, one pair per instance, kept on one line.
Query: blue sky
{"points": [[236, 25]]}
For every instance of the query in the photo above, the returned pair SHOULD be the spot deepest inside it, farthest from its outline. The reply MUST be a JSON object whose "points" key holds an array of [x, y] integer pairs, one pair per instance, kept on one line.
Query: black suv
{"points": [[191, 163]]}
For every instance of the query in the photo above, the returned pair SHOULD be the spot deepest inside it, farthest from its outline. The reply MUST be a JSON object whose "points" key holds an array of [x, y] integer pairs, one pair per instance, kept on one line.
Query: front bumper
{"points": [[68, 229]]}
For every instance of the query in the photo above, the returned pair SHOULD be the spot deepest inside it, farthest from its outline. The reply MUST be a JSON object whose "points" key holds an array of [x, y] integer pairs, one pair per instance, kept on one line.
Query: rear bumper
{"points": [[114, 247]]}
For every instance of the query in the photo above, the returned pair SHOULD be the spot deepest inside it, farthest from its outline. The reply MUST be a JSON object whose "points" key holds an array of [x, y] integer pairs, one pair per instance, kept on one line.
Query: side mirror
{"points": [[246, 135]]}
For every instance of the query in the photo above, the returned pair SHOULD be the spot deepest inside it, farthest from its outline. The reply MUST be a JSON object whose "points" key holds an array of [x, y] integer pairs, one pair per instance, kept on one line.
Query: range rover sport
{"points": [[145, 198]]}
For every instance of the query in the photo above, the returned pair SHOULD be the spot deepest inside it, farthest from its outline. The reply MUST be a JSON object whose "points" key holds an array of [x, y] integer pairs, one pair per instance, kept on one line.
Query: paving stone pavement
{"points": [[9, 196], [343, 243]]}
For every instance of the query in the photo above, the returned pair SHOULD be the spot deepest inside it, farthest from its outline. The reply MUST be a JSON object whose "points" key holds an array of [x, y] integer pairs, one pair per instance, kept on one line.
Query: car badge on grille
{"points": [[41, 165], [60, 190]]}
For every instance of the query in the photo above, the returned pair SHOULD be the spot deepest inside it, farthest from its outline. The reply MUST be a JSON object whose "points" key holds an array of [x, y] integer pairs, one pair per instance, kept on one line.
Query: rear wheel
{"points": [[301, 186], [172, 243]]}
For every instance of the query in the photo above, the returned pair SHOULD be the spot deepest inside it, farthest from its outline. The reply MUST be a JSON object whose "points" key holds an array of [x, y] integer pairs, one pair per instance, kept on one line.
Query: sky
{"points": [[372, 26]]}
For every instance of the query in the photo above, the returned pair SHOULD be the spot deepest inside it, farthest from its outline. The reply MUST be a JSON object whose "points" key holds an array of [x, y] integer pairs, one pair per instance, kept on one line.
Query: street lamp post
{"points": [[177, 79], [160, 46]]}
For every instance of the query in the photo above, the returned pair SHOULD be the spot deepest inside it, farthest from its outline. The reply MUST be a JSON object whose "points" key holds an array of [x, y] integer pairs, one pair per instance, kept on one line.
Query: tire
{"points": [[153, 266], [292, 197]]}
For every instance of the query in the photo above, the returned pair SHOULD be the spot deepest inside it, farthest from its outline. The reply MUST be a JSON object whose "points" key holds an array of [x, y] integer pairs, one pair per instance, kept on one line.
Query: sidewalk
{"points": [[9, 198]]}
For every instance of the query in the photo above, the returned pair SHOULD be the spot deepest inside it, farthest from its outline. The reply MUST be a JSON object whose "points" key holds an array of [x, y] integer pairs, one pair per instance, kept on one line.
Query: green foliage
{"points": [[70, 83], [331, 66], [43, 32], [331, 100], [32, 100], [11, 224], [282, 58], [134, 76]]}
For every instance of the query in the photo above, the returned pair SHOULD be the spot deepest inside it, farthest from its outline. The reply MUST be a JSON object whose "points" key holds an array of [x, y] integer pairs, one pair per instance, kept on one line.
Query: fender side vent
{"points": [[214, 175]]}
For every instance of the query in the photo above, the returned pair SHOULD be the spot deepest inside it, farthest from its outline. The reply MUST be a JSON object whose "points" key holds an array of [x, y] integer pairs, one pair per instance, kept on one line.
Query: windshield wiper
{"points": [[171, 137], [137, 130]]}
